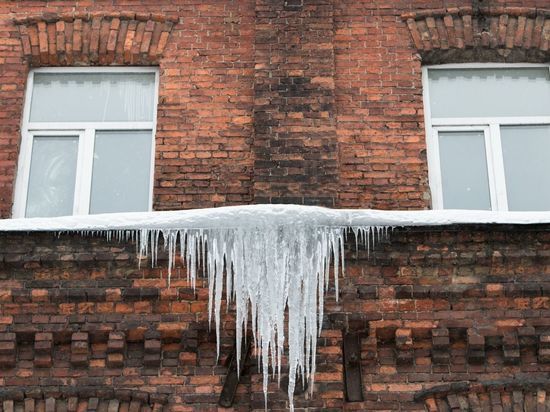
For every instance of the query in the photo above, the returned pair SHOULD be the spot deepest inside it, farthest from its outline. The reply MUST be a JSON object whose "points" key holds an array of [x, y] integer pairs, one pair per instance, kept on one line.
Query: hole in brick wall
{"points": [[457, 334], [386, 335], [25, 337], [62, 338], [483, 24]]}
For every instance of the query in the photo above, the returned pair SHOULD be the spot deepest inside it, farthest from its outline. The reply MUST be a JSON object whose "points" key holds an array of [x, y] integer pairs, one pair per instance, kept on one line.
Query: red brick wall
{"points": [[295, 141], [379, 108], [313, 102], [307, 101], [77, 311]]}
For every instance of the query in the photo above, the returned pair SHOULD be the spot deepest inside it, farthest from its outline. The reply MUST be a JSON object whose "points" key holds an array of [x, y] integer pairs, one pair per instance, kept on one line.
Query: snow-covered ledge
{"points": [[270, 258], [270, 215]]}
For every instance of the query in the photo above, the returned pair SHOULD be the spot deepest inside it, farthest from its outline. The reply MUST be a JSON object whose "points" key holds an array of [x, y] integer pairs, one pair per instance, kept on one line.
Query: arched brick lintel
{"points": [[80, 397], [507, 34], [520, 393], [88, 39]]}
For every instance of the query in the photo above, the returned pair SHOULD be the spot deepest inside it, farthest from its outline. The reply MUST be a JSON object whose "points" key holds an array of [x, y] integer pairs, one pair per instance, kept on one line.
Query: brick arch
{"points": [[94, 39], [505, 34], [77, 398], [523, 394]]}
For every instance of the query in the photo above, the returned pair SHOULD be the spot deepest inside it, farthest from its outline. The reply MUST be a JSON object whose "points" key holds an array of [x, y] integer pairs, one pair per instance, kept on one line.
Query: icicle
{"points": [[269, 270]]}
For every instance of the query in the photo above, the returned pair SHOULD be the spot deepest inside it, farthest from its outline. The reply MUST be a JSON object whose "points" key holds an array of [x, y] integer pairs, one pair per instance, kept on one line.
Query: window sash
{"points": [[86, 131], [497, 188], [507, 91], [84, 166], [26, 158], [491, 127], [90, 125], [119, 186], [92, 97]]}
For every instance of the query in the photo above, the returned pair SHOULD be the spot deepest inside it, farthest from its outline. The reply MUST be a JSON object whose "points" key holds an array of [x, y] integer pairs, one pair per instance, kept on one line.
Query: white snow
{"points": [[270, 215], [270, 258]]}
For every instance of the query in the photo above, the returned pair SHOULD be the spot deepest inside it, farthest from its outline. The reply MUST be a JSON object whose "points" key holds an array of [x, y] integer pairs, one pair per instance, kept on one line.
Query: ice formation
{"points": [[272, 260], [267, 271]]}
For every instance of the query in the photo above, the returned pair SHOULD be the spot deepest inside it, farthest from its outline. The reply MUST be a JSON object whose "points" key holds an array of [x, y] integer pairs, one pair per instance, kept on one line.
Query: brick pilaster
{"points": [[294, 107]]}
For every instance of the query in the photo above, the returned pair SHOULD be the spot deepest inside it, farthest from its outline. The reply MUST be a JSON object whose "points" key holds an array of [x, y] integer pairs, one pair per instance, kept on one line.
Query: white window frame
{"points": [[489, 125], [85, 131]]}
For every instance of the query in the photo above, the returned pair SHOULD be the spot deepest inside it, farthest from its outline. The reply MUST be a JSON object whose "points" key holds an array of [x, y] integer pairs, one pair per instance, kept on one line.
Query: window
{"points": [[488, 135], [87, 142]]}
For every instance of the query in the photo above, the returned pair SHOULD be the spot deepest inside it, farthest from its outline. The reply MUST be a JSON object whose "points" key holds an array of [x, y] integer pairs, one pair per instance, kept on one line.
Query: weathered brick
{"points": [[313, 102]]}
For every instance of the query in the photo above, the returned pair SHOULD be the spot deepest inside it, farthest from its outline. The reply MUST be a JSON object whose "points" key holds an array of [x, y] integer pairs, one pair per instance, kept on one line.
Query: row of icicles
{"points": [[265, 272]]}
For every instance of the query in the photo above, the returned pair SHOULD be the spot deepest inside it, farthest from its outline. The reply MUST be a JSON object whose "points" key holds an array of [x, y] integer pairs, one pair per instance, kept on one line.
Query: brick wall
{"points": [[379, 105], [303, 101], [295, 141], [296, 101], [467, 306]]}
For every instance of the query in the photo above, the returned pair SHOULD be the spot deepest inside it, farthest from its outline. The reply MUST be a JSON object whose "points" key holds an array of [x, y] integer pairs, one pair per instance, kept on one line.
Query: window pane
{"points": [[526, 152], [464, 170], [72, 97], [52, 176], [121, 172], [489, 92]]}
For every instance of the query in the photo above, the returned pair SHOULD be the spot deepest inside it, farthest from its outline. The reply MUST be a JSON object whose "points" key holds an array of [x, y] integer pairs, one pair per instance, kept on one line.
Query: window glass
{"points": [[121, 170], [490, 92], [87, 97], [52, 176], [464, 170], [526, 152]]}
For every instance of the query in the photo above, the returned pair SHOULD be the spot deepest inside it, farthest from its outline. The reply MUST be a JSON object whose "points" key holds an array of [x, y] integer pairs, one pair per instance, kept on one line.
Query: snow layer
{"points": [[271, 260], [270, 215]]}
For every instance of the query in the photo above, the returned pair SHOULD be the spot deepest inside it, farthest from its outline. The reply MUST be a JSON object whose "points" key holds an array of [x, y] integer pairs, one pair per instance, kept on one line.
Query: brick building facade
{"points": [[315, 102]]}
